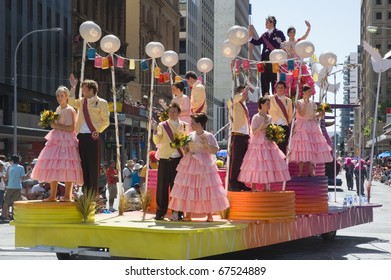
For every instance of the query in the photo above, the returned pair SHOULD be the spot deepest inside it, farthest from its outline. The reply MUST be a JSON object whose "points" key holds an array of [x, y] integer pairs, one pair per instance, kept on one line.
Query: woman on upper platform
{"points": [[183, 101]]}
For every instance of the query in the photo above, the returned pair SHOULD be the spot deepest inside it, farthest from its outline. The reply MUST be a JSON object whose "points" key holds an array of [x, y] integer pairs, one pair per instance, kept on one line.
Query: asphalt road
{"points": [[364, 242]]}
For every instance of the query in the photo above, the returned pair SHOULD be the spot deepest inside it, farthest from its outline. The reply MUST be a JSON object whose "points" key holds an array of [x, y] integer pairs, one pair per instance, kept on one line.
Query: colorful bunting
{"points": [[156, 72], [120, 62], [291, 65], [105, 63], [144, 65], [91, 54], [132, 65], [98, 62], [275, 67], [260, 67]]}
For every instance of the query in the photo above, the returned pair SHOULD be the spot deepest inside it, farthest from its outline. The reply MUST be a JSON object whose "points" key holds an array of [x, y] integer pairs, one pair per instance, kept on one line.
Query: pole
{"points": [[293, 120], [149, 126], [116, 126], [373, 139], [230, 112], [15, 117], [83, 62], [335, 139], [360, 140]]}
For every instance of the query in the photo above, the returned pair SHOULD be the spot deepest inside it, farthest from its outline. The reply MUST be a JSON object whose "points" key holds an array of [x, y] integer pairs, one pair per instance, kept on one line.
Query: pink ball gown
{"points": [[263, 162], [308, 142], [60, 160], [197, 186]]}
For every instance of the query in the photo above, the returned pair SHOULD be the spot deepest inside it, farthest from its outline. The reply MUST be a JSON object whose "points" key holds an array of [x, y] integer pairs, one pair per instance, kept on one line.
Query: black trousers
{"points": [[284, 144], [239, 145], [89, 151], [165, 179], [267, 78]]}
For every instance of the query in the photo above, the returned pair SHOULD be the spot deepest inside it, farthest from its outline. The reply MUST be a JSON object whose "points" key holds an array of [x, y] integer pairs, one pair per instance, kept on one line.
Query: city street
{"points": [[363, 242]]}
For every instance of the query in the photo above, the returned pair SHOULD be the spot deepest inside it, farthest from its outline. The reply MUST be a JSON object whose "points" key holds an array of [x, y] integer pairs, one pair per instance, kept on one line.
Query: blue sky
{"points": [[335, 25]]}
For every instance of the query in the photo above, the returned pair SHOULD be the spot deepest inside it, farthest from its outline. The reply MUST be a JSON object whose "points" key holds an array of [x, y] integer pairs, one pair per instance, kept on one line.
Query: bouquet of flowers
{"points": [[324, 108], [163, 115], [275, 133], [47, 117], [180, 140]]}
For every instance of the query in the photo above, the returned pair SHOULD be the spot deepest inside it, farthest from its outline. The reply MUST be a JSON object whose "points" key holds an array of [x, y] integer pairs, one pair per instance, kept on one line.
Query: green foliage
{"points": [[86, 204]]}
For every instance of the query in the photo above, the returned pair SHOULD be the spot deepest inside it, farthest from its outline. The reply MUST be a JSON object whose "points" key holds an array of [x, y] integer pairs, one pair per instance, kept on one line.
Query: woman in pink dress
{"points": [[264, 162], [183, 101], [197, 186], [59, 161], [308, 143]]}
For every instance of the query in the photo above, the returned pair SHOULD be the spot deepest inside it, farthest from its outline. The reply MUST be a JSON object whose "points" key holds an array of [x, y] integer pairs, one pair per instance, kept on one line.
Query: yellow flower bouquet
{"points": [[180, 140], [275, 133], [163, 115], [324, 108], [47, 117]]}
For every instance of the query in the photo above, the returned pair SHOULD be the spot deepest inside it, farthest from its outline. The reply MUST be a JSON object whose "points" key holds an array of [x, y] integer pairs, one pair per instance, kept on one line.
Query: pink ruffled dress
{"points": [[308, 142], [263, 162], [60, 160], [197, 186]]}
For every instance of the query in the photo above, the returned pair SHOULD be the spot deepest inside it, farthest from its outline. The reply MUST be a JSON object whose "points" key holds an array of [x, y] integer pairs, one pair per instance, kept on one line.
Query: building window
{"points": [[39, 13], [389, 15], [182, 67], [378, 46], [378, 15], [182, 46], [48, 17], [20, 7], [378, 2], [182, 24]]}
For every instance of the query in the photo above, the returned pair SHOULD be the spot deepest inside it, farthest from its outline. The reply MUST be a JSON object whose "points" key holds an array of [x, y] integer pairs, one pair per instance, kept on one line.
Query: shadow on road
{"points": [[312, 248]]}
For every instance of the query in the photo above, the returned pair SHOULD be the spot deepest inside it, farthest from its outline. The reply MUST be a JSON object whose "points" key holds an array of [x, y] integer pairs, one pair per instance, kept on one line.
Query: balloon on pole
{"points": [[154, 50], [111, 44], [205, 65], [170, 59], [90, 32]]}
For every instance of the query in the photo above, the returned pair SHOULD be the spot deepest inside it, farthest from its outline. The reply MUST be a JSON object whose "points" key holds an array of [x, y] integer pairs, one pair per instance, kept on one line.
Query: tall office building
{"points": [[376, 13], [350, 96], [196, 41], [227, 14], [43, 62]]}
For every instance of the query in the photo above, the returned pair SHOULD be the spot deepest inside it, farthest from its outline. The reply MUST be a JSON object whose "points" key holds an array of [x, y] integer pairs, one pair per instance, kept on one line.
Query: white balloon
{"points": [[278, 56], [154, 49], [90, 31], [304, 49], [238, 35], [110, 44], [229, 49], [169, 58], [205, 65], [328, 59]]}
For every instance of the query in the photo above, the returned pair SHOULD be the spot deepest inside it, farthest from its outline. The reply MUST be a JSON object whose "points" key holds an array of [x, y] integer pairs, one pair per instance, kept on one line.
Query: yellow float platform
{"points": [[129, 236]]}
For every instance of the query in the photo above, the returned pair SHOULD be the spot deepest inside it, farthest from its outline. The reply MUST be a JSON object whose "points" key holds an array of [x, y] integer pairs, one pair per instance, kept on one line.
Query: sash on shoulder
{"points": [[171, 134]]}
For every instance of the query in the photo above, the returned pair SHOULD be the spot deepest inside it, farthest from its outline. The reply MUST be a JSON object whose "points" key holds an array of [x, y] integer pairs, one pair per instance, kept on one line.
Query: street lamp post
{"points": [[15, 83], [374, 29]]}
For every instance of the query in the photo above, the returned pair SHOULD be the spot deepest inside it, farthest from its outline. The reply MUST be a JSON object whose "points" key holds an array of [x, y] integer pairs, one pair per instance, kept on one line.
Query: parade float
{"points": [[299, 208]]}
